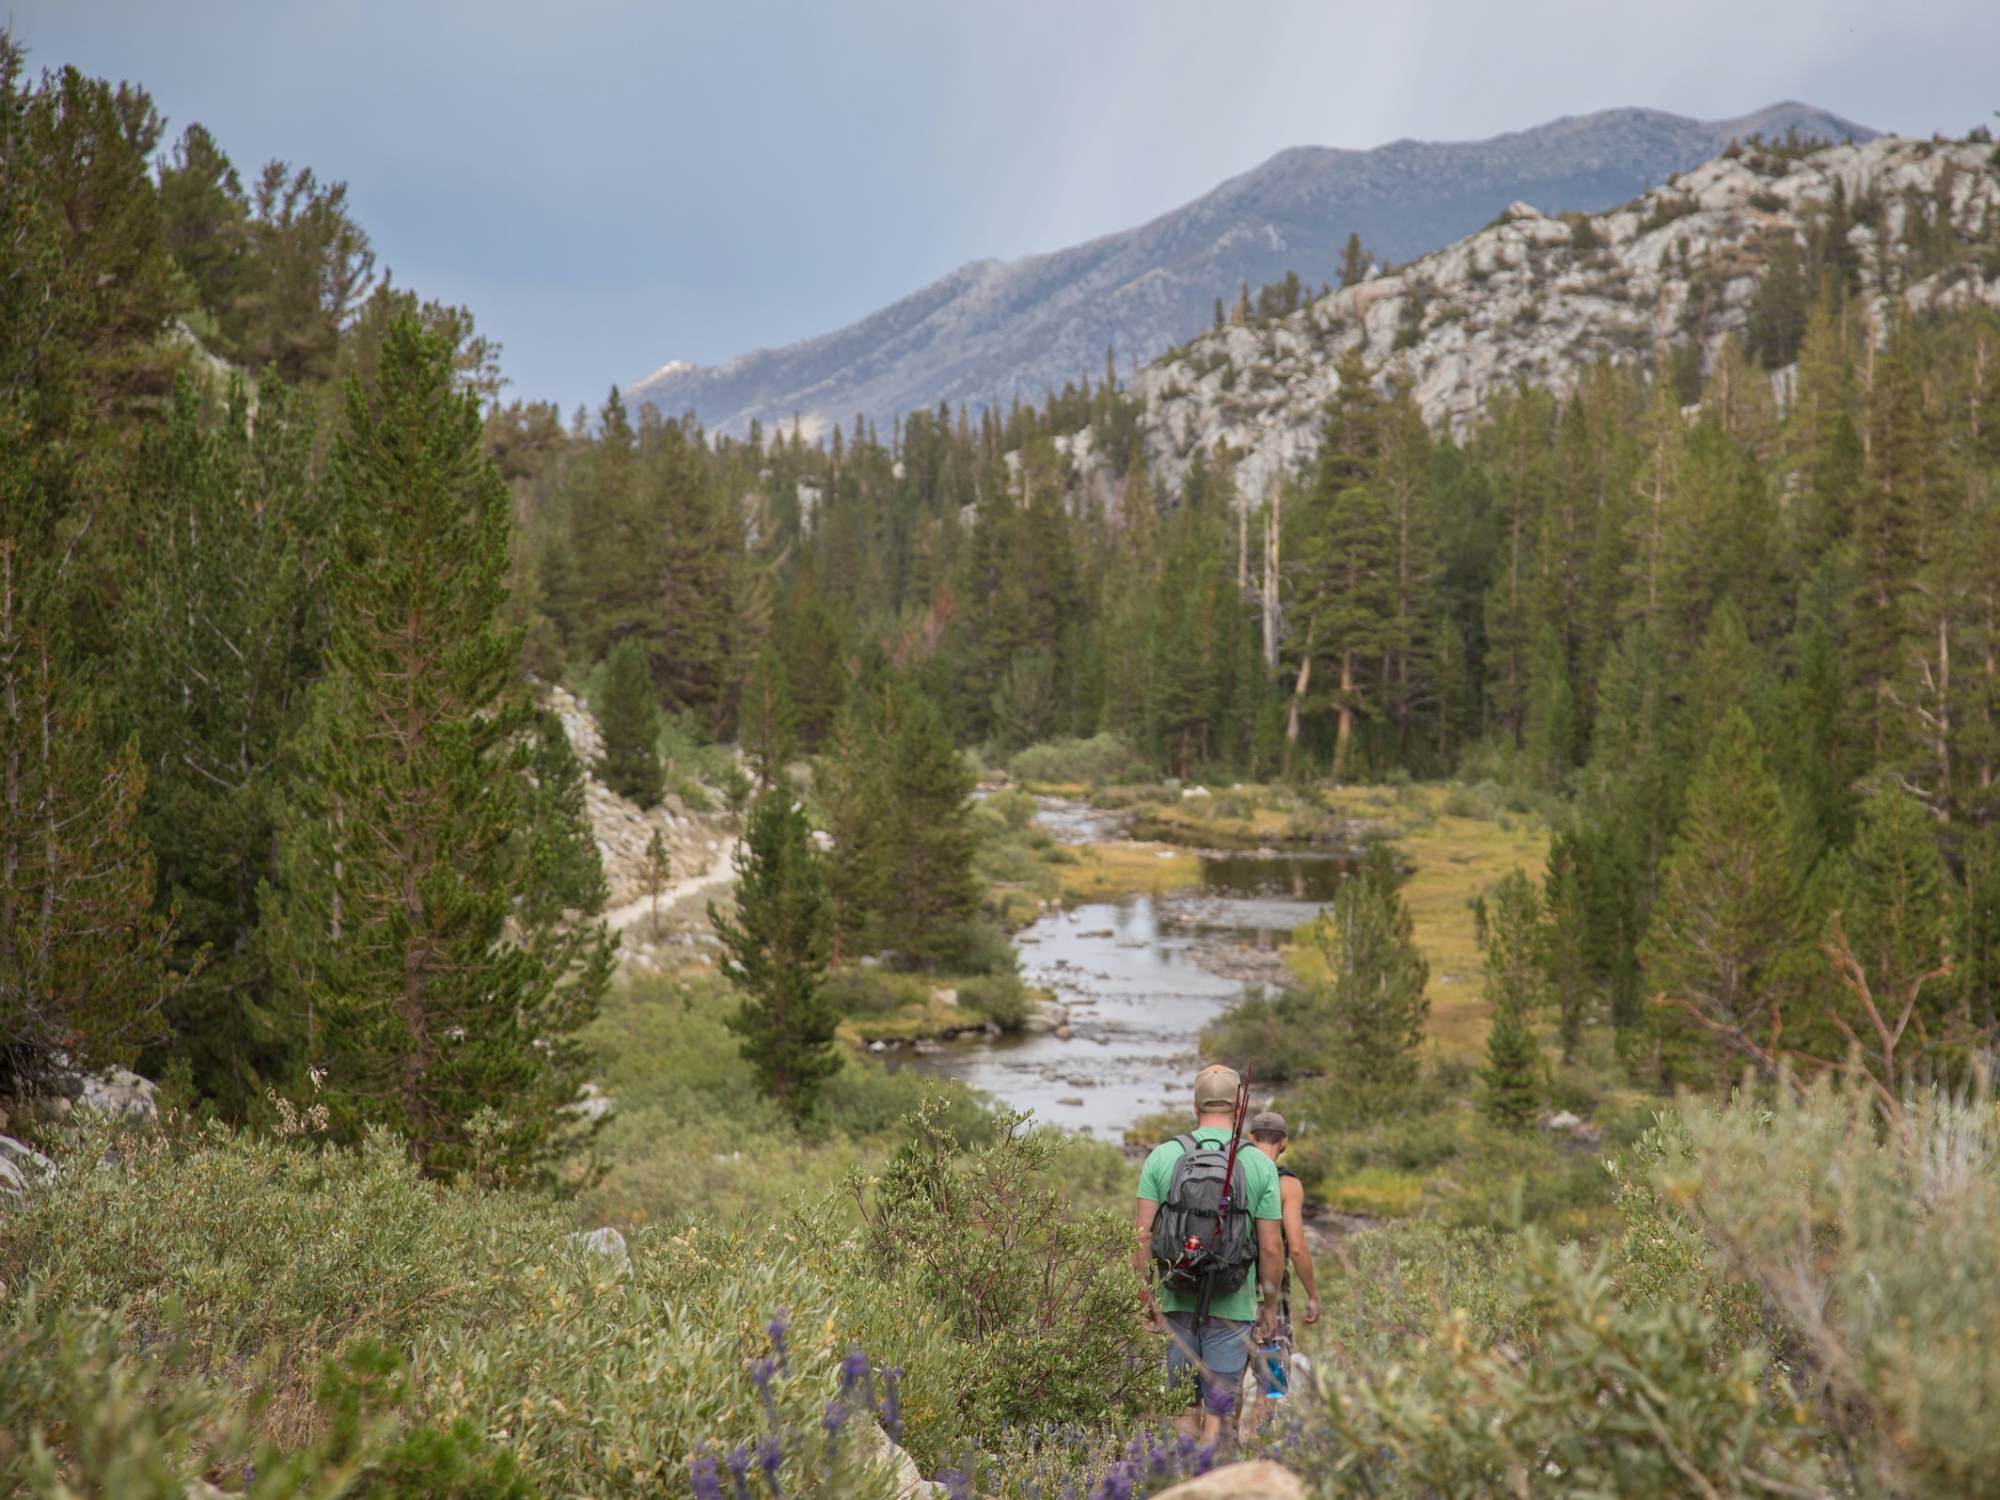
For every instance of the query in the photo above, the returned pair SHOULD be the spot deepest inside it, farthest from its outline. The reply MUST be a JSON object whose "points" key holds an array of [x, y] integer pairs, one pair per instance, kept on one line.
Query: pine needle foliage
{"points": [[83, 959], [628, 716], [777, 944], [427, 992], [1377, 997]]}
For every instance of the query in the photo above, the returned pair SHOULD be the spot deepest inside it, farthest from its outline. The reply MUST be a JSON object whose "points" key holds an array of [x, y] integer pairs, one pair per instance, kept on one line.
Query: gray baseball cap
{"points": [[1268, 1122]]}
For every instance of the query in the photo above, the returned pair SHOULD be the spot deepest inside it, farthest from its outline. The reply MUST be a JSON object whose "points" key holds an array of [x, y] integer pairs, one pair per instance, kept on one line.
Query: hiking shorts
{"points": [[1223, 1350]]}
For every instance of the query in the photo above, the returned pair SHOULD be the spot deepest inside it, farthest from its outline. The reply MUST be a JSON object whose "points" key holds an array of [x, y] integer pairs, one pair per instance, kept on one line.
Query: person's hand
{"points": [[1154, 1319], [1267, 1320], [1311, 1314]]}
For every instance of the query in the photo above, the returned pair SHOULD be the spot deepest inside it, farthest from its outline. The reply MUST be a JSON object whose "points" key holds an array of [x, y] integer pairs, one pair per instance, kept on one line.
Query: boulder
{"points": [[22, 1167], [877, 1447], [1262, 1480], [119, 1094], [606, 1243]]}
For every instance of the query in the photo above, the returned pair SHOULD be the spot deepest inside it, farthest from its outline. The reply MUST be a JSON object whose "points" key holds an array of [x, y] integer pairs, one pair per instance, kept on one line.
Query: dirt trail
{"points": [[719, 871]]}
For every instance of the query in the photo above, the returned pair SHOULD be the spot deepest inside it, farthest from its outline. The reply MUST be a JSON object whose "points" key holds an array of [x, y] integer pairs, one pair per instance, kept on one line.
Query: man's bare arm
{"points": [[1293, 1193], [1270, 1271]]}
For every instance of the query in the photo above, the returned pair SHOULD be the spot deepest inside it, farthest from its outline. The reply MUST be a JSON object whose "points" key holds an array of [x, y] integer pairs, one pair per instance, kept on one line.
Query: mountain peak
{"points": [[992, 330]]}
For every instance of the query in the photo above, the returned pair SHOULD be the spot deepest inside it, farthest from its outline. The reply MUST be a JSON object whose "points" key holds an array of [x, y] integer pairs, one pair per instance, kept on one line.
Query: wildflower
{"points": [[834, 1418], [892, 1403], [853, 1371], [1204, 1459], [957, 1484], [1218, 1401], [769, 1458], [761, 1371], [702, 1475], [739, 1466], [776, 1329]]}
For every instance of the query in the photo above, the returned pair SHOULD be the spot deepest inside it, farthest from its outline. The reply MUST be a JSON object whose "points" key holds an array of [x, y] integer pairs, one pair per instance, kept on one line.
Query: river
{"points": [[1141, 977]]}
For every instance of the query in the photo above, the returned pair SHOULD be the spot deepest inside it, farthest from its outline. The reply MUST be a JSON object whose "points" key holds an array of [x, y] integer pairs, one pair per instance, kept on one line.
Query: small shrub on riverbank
{"points": [[999, 998], [1093, 762]]}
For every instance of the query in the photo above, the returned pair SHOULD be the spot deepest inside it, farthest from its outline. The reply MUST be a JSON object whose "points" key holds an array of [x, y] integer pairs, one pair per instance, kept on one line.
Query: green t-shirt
{"points": [[1260, 1181]]}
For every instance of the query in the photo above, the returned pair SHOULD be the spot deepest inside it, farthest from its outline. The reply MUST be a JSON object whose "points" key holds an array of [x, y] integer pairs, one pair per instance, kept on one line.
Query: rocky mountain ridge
{"points": [[991, 329], [1538, 298]]}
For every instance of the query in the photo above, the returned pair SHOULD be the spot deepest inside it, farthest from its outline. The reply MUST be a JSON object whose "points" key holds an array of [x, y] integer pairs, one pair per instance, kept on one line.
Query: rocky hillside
{"points": [[993, 328], [1538, 298]]}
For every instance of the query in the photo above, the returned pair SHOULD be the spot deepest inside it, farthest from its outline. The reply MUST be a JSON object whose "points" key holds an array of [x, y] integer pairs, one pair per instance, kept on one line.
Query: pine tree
{"points": [[628, 719], [1567, 940], [225, 622], [777, 946], [1514, 945], [83, 958], [927, 842], [766, 718], [654, 876], [1377, 997], [432, 1011], [1895, 896], [1353, 262], [1726, 921], [1513, 1071]]}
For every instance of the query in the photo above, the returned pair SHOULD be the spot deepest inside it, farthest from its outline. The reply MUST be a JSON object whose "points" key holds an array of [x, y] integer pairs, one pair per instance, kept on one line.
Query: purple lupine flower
{"points": [[776, 1329], [770, 1457], [1217, 1401], [892, 1403], [701, 1474], [739, 1466], [853, 1370], [1204, 1459], [1118, 1482], [834, 1418], [957, 1483], [761, 1371]]}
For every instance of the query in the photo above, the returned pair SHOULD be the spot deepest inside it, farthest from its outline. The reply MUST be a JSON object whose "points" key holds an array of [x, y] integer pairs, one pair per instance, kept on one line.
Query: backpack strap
{"points": [[1188, 1144]]}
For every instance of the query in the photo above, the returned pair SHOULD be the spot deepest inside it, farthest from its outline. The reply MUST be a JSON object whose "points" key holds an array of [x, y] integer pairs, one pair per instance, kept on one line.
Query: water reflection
{"points": [[1137, 997]]}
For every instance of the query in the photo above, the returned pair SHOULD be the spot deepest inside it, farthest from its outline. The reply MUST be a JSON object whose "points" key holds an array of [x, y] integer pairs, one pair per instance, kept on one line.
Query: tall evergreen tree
{"points": [[767, 718], [1377, 997], [927, 841], [1513, 1071], [432, 1012], [1727, 919], [628, 718], [83, 958], [226, 626], [777, 945]]}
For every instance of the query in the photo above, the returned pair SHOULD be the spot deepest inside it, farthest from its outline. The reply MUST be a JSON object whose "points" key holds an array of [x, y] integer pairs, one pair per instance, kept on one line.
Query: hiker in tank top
{"points": [[1268, 1135]]}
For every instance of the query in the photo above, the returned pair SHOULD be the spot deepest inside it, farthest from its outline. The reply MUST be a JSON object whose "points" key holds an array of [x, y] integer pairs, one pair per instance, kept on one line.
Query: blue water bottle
{"points": [[1271, 1359]]}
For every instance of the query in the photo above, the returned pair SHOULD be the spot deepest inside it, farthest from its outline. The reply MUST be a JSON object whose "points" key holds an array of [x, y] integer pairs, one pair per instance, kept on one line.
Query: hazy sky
{"points": [[611, 184]]}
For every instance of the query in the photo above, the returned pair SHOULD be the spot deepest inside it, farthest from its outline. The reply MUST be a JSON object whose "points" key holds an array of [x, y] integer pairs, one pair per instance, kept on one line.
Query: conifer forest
{"points": [[537, 887]]}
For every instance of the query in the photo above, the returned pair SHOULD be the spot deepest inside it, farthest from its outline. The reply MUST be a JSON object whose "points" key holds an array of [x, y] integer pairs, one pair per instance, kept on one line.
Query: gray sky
{"points": [[611, 184]]}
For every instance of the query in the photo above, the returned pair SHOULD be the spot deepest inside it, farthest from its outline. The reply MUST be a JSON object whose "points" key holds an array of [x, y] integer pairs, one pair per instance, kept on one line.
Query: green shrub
{"points": [[1092, 762], [1015, 809], [1001, 999], [865, 990], [1604, 1399], [1872, 1227], [980, 948], [1042, 1306]]}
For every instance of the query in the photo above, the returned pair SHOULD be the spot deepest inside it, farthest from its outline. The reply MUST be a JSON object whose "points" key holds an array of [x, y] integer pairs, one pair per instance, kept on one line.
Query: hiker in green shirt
{"points": [[1218, 1346]]}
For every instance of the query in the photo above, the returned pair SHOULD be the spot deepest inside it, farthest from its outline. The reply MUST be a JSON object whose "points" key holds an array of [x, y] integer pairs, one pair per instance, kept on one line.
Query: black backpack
{"points": [[1189, 1246]]}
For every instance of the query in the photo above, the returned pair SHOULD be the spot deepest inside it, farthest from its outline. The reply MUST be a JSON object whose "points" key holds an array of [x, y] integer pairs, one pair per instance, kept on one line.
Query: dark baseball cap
{"points": [[1268, 1122]]}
